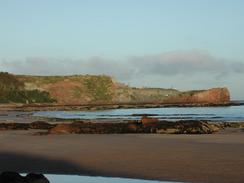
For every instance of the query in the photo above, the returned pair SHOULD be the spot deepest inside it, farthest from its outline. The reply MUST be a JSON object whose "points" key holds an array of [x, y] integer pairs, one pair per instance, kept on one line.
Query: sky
{"points": [[190, 44]]}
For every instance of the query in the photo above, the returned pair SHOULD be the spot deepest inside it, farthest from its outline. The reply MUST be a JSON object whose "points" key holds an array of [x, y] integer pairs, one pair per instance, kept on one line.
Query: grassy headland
{"points": [[95, 89]]}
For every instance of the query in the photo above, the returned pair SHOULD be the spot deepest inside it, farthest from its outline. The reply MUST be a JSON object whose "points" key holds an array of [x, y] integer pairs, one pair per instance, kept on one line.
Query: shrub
{"points": [[12, 90]]}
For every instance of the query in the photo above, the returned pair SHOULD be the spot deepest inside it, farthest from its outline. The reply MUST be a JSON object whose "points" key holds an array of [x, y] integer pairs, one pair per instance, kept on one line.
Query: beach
{"points": [[185, 158], [146, 91]]}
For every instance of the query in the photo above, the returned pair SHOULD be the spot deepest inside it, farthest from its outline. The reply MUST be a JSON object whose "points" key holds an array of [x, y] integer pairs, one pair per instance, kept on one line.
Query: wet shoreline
{"points": [[105, 106]]}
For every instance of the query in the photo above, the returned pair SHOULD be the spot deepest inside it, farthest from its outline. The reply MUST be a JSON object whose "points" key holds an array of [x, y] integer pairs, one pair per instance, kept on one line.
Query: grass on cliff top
{"points": [[96, 87], [40, 80], [53, 79], [100, 87]]}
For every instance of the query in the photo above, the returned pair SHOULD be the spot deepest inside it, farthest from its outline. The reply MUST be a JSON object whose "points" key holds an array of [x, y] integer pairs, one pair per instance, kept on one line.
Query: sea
{"points": [[223, 113]]}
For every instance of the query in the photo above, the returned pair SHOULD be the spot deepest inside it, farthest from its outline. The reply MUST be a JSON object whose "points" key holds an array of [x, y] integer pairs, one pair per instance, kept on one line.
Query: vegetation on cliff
{"points": [[76, 89], [12, 90], [90, 89], [99, 87]]}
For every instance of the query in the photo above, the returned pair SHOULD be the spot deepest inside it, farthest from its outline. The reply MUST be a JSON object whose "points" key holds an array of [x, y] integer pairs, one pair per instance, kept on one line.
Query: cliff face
{"points": [[87, 89], [143, 95], [78, 89], [213, 96]]}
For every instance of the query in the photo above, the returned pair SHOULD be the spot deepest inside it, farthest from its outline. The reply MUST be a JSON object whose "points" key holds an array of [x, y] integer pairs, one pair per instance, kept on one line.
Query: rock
{"points": [[13, 177], [215, 127], [64, 129], [148, 121], [147, 125], [14, 126], [233, 124], [211, 96], [41, 125], [214, 95], [187, 127], [168, 131], [36, 178], [198, 127], [133, 127], [25, 126]]}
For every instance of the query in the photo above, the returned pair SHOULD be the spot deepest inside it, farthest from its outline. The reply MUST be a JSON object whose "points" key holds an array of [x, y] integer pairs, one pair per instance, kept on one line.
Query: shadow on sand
{"points": [[29, 163]]}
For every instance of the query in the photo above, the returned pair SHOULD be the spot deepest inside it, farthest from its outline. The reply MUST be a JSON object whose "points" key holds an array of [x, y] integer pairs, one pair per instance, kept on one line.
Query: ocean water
{"points": [[230, 113], [88, 179]]}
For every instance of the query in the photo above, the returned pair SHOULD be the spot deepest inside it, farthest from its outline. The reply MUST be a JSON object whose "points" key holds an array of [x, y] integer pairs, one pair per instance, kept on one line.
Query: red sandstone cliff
{"points": [[212, 96], [90, 89]]}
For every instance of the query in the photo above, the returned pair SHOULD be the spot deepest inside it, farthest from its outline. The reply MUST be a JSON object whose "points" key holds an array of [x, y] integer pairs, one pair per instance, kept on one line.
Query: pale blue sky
{"points": [[78, 28], [120, 29]]}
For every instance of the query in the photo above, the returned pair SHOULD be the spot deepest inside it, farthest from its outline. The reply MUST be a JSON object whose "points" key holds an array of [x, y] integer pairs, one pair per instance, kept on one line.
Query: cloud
{"points": [[174, 63], [189, 69], [182, 62], [53, 66]]}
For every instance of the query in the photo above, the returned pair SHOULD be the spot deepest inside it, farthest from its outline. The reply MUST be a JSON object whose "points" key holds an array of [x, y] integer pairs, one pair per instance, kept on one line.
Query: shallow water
{"points": [[88, 179], [230, 113]]}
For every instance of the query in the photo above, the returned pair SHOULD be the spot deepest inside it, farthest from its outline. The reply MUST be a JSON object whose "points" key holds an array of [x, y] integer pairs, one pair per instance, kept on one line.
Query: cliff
{"points": [[91, 89], [212, 96], [77, 89]]}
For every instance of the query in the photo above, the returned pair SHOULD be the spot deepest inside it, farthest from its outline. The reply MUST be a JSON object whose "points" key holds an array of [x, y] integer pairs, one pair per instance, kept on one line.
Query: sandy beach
{"points": [[187, 158]]}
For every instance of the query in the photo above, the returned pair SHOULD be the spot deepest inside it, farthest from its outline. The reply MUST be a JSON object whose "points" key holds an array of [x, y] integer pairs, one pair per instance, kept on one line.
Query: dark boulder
{"points": [[64, 129], [36, 178], [13, 177], [14, 126], [41, 125], [149, 121]]}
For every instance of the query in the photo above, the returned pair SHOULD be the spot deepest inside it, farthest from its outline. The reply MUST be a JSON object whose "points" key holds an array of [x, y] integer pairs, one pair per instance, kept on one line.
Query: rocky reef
{"points": [[149, 126], [14, 177], [41, 125], [145, 125]]}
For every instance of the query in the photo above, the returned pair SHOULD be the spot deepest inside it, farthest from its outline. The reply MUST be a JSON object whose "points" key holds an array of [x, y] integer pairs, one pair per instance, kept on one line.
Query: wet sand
{"points": [[189, 158]]}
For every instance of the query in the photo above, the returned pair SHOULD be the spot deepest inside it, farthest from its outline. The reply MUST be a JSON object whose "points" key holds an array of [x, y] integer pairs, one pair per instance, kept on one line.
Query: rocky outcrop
{"points": [[13, 177], [148, 121], [215, 95], [190, 127], [211, 96], [26, 126], [40, 125], [151, 125], [145, 125], [65, 129], [14, 126]]}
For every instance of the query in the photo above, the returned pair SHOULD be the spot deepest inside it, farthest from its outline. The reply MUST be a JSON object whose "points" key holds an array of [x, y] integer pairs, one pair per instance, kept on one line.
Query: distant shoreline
{"points": [[104, 106]]}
